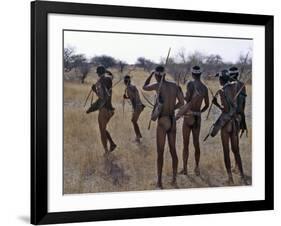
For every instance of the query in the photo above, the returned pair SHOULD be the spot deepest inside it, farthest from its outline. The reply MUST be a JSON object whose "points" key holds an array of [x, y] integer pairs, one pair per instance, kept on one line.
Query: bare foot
{"points": [[235, 169], [230, 181], [183, 172], [174, 184], [197, 171], [159, 186], [244, 181], [106, 153], [112, 147]]}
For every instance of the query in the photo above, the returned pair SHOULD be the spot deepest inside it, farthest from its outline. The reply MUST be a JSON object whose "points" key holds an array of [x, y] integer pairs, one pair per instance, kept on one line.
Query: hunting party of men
{"points": [[140, 115]]}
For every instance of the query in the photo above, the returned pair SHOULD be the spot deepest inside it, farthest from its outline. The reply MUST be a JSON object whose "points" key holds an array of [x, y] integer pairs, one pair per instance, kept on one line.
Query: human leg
{"points": [[134, 120], [225, 145], [185, 153], [195, 136], [160, 140], [172, 147]]}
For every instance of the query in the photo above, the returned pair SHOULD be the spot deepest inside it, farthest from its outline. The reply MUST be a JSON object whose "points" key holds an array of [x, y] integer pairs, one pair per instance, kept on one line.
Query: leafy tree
{"points": [[67, 58], [84, 68], [106, 61], [182, 56], [144, 63], [76, 61], [214, 59], [196, 58], [244, 62]]}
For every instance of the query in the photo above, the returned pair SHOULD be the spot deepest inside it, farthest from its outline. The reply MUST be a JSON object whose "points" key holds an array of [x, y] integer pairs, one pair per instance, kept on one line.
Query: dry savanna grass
{"points": [[132, 166]]}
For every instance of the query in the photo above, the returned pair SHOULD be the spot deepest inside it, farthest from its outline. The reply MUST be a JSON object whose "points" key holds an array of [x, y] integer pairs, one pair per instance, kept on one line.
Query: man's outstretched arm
{"points": [[147, 86]]}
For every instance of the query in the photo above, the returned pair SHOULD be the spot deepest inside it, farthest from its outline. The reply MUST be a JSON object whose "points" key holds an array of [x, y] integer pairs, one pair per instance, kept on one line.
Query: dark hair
{"points": [[196, 71], [160, 68], [233, 69], [100, 70], [233, 72], [127, 77], [224, 76]]}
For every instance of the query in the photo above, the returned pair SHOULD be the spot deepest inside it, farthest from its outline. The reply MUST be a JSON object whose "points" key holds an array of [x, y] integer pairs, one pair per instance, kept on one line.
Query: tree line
{"points": [[82, 66], [178, 66]]}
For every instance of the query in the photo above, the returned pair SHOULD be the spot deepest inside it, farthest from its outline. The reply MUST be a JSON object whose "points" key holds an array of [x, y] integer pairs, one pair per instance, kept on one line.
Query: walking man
{"points": [[103, 89], [132, 93], [170, 97]]}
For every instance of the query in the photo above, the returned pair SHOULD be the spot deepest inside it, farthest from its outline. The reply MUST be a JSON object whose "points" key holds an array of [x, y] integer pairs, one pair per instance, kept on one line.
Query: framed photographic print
{"points": [[144, 112]]}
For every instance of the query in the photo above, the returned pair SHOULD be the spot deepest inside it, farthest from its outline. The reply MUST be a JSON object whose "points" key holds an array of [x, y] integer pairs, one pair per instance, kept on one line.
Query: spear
{"points": [[243, 66], [178, 79], [213, 97], [123, 105], [116, 83], [185, 76], [240, 90], [159, 88], [87, 97], [146, 98]]}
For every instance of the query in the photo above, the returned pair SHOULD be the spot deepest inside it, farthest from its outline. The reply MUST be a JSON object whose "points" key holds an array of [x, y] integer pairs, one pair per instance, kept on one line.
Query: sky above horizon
{"points": [[128, 47]]}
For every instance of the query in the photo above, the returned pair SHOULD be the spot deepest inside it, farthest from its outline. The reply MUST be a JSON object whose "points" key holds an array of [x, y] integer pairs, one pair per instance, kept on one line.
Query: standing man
{"points": [[228, 123], [170, 97], [241, 99], [195, 94], [103, 89], [241, 103], [132, 93]]}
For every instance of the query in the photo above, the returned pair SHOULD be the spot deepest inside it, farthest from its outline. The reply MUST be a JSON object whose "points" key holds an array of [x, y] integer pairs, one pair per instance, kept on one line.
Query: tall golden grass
{"points": [[132, 166]]}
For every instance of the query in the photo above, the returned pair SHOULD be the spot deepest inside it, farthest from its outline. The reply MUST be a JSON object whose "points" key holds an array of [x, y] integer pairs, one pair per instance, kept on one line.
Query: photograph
{"points": [[140, 112], [145, 111]]}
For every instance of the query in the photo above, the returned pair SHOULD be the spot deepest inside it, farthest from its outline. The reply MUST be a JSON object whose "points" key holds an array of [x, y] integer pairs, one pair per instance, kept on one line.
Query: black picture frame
{"points": [[39, 112]]}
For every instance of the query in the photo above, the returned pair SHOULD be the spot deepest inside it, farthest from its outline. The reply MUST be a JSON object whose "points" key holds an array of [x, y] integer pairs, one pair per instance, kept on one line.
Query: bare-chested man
{"points": [[132, 93], [103, 89], [228, 123], [241, 103], [169, 93], [241, 99], [195, 94]]}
